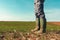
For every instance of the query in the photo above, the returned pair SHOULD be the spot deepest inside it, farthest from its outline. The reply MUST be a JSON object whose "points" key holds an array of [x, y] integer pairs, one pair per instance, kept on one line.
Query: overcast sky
{"points": [[23, 10]]}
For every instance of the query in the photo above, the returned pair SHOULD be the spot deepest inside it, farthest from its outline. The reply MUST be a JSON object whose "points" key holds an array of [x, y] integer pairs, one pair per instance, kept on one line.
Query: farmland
{"points": [[21, 30], [24, 26]]}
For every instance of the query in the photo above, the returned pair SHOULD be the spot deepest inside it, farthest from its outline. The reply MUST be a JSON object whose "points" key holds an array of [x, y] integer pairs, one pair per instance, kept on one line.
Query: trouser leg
{"points": [[42, 18]]}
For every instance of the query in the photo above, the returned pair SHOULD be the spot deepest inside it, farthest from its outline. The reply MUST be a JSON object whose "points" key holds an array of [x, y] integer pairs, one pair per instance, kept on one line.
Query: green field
{"points": [[24, 26]]}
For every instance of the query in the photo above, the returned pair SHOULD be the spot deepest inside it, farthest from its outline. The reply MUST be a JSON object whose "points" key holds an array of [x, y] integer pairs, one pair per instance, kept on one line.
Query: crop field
{"points": [[20, 30], [24, 26], [19, 26]]}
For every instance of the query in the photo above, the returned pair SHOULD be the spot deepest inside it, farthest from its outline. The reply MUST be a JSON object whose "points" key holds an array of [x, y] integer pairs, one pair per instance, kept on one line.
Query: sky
{"points": [[23, 10]]}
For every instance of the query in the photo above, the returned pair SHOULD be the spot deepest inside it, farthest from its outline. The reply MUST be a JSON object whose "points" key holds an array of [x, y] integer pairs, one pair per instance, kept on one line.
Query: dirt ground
{"points": [[53, 35], [16, 35], [56, 23]]}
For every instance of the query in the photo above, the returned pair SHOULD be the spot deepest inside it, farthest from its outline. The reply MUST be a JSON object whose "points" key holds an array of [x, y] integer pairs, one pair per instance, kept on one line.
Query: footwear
{"points": [[38, 32], [36, 29]]}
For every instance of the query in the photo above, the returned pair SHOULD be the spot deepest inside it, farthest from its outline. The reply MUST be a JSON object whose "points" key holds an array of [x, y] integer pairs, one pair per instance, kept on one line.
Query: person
{"points": [[40, 16]]}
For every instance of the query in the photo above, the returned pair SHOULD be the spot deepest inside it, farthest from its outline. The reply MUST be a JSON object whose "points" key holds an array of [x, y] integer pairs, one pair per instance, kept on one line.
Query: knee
{"points": [[42, 16]]}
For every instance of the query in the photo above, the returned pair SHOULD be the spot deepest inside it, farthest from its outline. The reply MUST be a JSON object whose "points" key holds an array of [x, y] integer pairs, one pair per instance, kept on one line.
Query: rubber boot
{"points": [[42, 28], [37, 27]]}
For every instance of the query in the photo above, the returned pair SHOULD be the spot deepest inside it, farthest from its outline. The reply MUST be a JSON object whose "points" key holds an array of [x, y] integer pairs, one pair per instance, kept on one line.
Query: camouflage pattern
{"points": [[38, 4], [39, 12]]}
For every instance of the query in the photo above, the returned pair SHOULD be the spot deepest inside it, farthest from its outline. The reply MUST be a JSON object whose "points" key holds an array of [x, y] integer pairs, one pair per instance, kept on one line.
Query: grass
{"points": [[23, 26], [51, 27]]}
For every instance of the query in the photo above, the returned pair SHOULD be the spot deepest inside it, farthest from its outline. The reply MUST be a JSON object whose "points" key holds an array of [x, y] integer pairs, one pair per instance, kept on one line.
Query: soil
{"points": [[15, 35], [56, 23], [52, 35]]}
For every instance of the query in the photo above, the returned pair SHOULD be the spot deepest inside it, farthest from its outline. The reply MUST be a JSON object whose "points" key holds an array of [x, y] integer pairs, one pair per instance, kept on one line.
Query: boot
{"points": [[37, 25], [42, 26]]}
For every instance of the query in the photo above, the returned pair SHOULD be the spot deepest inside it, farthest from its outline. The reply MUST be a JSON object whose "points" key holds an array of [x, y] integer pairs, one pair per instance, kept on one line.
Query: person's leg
{"points": [[40, 25], [37, 27], [42, 18], [43, 24]]}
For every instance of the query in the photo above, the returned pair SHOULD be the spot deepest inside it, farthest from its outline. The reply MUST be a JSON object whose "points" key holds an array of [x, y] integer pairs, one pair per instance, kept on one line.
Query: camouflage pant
{"points": [[39, 12]]}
